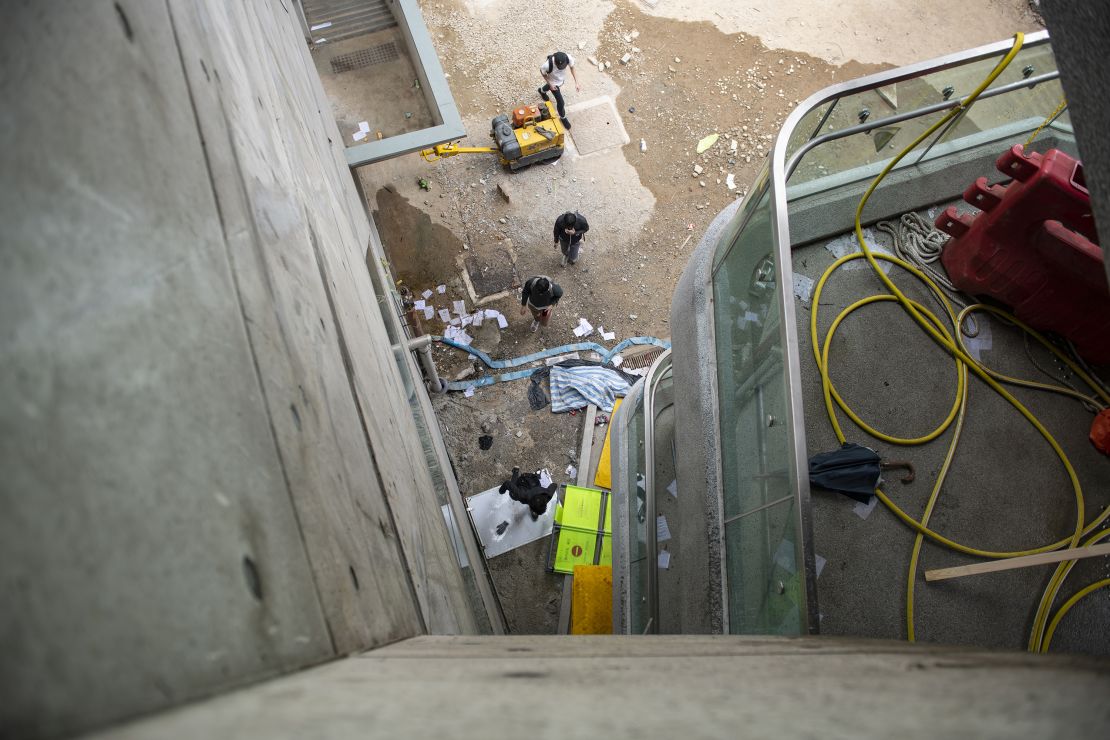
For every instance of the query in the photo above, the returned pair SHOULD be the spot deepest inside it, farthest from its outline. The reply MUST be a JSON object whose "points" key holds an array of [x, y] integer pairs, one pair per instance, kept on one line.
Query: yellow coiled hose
{"points": [[952, 342]]}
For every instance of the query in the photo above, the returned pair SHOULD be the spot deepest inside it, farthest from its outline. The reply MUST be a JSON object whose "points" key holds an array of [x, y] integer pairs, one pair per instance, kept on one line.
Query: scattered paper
{"points": [[665, 559], [456, 321], [502, 322], [617, 361], [981, 341], [364, 127], [427, 294], [545, 477], [579, 331], [419, 305], [572, 471], [492, 313], [608, 336], [467, 320], [359, 135], [707, 142], [318, 26], [662, 531], [459, 306], [848, 244], [429, 312], [749, 317], [444, 315], [863, 510], [469, 391], [477, 318], [803, 287], [319, 41], [819, 562], [673, 488], [730, 181], [584, 328], [441, 289]]}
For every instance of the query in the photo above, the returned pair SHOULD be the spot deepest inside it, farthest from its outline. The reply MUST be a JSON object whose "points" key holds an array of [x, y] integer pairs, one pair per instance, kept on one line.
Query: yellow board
{"points": [[591, 605], [604, 477], [577, 537]]}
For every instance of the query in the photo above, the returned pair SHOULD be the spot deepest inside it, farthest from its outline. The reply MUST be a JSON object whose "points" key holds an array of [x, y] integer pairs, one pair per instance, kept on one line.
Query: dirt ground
{"points": [[694, 68]]}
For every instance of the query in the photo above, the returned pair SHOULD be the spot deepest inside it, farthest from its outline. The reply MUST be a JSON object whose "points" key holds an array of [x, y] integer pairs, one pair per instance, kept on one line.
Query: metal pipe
{"points": [[652, 378], [422, 346], [796, 159]]}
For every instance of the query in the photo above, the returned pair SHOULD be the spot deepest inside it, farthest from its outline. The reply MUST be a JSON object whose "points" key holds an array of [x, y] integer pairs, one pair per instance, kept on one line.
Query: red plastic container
{"points": [[1034, 247]]}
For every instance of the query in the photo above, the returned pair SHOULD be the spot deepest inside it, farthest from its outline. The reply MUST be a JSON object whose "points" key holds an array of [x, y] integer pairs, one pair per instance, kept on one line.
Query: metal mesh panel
{"points": [[379, 54]]}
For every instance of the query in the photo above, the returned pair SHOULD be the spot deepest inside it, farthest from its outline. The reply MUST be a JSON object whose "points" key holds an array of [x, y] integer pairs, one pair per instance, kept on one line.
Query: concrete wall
{"points": [[211, 473], [662, 687]]}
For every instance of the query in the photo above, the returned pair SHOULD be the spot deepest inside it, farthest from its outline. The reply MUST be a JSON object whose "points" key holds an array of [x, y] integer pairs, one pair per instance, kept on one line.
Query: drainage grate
{"points": [[641, 360], [380, 54]]}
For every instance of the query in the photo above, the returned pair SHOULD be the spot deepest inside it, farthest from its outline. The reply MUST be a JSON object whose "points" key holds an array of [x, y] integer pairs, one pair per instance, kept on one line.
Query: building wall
{"points": [[211, 474]]}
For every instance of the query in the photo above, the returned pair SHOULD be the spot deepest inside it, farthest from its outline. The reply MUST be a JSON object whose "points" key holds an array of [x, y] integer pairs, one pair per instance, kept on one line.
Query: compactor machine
{"points": [[532, 134]]}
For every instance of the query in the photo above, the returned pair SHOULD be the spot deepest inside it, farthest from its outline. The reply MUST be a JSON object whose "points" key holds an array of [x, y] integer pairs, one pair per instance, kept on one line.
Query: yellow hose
{"points": [[953, 344], [1067, 607]]}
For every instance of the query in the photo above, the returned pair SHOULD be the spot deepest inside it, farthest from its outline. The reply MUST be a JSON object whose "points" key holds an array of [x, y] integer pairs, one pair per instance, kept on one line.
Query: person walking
{"points": [[570, 232], [554, 71], [539, 295]]}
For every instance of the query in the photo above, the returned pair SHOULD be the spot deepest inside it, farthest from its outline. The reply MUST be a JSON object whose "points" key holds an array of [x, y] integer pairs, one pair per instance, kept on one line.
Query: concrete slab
{"points": [[597, 126]]}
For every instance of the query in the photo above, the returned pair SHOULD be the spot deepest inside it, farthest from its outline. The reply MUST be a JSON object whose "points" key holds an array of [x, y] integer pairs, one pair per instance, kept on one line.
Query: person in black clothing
{"points": [[570, 231], [526, 489], [539, 295], [554, 71]]}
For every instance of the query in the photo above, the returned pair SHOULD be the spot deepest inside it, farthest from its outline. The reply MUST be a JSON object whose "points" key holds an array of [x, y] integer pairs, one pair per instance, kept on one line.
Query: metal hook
{"points": [[904, 464]]}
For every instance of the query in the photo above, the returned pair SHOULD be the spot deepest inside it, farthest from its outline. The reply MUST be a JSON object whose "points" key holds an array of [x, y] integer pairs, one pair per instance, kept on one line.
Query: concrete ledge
{"points": [[436, 91]]}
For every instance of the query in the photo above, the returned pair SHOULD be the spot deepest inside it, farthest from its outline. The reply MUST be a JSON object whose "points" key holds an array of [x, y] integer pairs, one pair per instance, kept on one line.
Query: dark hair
{"points": [[561, 59], [543, 285]]}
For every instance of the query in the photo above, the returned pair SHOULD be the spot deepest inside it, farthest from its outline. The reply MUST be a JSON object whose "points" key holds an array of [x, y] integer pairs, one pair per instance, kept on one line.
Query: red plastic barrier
{"points": [[1034, 247]]}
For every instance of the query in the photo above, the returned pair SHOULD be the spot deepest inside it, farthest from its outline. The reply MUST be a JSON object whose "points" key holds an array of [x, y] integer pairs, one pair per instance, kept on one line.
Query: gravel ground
{"points": [[694, 68]]}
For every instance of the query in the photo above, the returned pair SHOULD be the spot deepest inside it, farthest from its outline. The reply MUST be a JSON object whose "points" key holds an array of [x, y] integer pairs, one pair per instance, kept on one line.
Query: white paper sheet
{"points": [[572, 471], [427, 294], [673, 488], [459, 307], [502, 322], [662, 531], [477, 318], [664, 559], [469, 391], [617, 361], [456, 321], [318, 26], [419, 305], [359, 135], [441, 289], [429, 312], [444, 315], [863, 510], [492, 313], [364, 127]]}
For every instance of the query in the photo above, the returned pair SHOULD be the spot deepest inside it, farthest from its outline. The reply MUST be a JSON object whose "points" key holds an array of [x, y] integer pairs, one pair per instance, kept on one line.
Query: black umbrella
{"points": [[853, 470]]}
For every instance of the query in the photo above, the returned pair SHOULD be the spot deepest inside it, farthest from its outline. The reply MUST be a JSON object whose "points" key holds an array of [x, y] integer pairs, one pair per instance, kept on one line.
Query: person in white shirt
{"points": [[554, 71]]}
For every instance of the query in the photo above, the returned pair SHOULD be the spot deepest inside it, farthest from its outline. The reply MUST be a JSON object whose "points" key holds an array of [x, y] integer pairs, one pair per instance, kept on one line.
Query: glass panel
{"points": [[1007, 119], [810, 124], [751, 202], [637, 529], [764, 567], [872, 106], [756, 468]]}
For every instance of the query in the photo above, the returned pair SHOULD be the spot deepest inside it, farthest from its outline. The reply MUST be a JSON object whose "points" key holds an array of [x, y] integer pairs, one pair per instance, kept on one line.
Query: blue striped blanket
{"points": [[577, 387]]}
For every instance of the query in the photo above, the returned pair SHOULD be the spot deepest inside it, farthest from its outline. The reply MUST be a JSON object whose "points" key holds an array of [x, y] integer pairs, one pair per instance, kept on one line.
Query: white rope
{"points": [[918, 242]]}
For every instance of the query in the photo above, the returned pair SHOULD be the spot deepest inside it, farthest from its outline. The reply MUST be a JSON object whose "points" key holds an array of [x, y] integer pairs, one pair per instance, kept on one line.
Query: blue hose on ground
{"points": [[606, 356]]}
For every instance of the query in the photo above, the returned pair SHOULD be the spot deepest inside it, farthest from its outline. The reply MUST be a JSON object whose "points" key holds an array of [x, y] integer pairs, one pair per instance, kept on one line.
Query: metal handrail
{"points": [[863, 128], [655, 374]]}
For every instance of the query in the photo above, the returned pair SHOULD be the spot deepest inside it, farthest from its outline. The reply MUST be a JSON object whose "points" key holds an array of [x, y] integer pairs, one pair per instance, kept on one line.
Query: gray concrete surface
{"points": [[700, 564], [212, 471], [1006, 490], [637, 687]]}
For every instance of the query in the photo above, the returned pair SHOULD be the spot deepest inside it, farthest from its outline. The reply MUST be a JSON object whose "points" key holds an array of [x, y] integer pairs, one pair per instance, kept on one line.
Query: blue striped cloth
{"points": [[577, 387]]}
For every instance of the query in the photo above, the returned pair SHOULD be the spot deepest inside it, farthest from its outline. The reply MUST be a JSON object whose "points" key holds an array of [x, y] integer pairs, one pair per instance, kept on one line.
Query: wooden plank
{"points": [[586, 451], [1045, 558]]}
